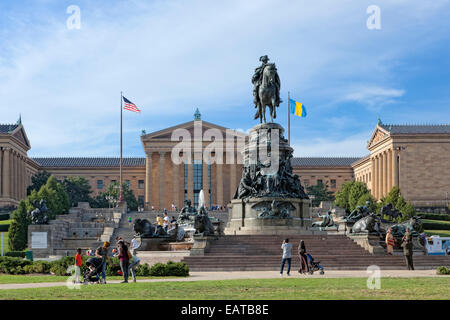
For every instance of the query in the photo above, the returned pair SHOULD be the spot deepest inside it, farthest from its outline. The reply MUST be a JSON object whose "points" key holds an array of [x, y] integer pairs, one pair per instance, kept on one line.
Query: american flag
{"points": [[130, 105]]}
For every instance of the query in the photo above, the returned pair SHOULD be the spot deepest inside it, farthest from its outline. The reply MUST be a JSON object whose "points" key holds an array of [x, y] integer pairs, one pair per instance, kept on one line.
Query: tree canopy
{"points": [[320, 193]]}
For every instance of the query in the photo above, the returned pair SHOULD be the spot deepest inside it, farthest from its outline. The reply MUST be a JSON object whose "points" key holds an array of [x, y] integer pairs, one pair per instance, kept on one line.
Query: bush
{"points": [[4, 216], [38, 267], [4, 227], [434, 216], [179, 269], [443, 270], [17, 254], [12, 265], [59, 267], [435, 225], [143, 270]]}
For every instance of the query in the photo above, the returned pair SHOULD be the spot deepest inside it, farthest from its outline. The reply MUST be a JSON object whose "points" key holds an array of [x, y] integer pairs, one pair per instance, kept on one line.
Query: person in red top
{"points": [[78, 264]]}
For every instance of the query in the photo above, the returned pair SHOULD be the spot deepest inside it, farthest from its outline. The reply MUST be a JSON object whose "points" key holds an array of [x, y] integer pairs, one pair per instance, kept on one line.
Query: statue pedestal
{"points": [[370, 242], [244, 218], [151, 244], [201, 243]]}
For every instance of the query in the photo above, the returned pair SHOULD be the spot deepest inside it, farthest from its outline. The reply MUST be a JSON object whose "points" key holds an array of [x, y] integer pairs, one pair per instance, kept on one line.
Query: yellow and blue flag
{"points": [[297, 108]]}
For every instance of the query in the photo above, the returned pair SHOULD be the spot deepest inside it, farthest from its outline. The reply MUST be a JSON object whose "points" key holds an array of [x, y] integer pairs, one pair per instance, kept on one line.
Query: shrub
{"points": [[59, 267], [143, 270], [17, 254], [434, 216], [18, 236], [443, 270], [12, 265], [4, 227], [4, 216], [179, 269], [436, 225]]}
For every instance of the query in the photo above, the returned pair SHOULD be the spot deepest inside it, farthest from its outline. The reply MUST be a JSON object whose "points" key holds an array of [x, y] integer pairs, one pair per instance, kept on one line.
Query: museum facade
{"points": [[199, 155]]}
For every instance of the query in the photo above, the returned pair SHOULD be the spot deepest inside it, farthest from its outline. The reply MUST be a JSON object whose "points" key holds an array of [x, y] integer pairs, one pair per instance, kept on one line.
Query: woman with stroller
{"points": [[303, 258]]}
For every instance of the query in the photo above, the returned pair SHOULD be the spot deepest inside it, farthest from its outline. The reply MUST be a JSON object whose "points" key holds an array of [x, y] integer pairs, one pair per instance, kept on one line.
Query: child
{"points": [[133, 264], [78, 264]]}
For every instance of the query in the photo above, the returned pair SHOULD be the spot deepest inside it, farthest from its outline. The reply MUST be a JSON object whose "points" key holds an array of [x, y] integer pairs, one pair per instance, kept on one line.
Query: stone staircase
{"points": [[263, 252]]}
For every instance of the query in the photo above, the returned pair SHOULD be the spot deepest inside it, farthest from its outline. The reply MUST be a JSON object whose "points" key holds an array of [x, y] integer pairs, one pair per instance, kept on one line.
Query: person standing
{"points": [[78, 264], [390, 242], [287, 256], [166, 221], [124, 260], [133, 264], [303, 258], [134, 244], [102, 252], [408, 249]]}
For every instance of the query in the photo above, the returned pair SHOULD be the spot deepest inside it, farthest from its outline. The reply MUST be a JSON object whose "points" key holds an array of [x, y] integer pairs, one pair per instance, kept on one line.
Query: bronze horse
{"points": [[268, 93]]}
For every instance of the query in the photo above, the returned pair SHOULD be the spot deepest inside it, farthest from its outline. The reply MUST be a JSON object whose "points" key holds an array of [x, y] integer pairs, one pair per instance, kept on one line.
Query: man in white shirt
{"points": [[287, 256], [166, 222]]}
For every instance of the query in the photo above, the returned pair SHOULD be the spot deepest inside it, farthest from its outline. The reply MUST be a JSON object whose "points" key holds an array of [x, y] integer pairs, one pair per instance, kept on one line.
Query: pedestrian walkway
{"points": [[234, 275]]}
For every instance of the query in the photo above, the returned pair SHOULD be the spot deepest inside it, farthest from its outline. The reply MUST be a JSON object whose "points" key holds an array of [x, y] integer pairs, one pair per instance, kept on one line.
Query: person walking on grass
{"points": [[287, 256], [408, 249], [133, 265], [390, 242], [303, 258]]}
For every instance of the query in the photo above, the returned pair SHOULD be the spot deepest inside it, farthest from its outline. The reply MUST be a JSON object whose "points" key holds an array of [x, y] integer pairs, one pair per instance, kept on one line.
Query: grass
{"points": [[6, 221], [5, 241], [33, 278], [442, 233], [254, 289], [444, 222]]}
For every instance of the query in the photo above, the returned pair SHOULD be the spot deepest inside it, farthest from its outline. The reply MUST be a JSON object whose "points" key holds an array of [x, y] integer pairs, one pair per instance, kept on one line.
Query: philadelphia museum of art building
{"points": [[414, 157]]}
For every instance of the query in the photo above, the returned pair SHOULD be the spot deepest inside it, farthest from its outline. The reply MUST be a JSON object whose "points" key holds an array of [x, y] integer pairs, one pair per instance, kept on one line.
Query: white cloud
{"points": [[373, 97]]}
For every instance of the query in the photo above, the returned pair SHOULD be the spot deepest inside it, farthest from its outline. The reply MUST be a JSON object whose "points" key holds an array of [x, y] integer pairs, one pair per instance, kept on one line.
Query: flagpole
{"points": [[120, 186], [289, 118]]}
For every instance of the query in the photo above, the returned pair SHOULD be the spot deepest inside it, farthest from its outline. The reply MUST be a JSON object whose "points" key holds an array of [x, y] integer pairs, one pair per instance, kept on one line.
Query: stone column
{"points": [[378, 178], [219, 184], [385, 174], [190, 180], [148, 180], [381, 176], [205, 182], [6, 173], [389, 159], [162, 179], [176, 185], [372, 176], [13, 182], [394, 168]]}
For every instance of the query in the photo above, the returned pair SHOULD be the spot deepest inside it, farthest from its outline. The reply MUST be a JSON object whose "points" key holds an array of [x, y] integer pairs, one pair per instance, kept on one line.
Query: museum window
{"points": [[99, 184], [198, 180], [141, 184], [141, 200], [333, 183]]}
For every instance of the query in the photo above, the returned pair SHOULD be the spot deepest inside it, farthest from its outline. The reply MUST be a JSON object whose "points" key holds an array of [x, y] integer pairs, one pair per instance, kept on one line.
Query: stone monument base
{"points": [[244, 218]]}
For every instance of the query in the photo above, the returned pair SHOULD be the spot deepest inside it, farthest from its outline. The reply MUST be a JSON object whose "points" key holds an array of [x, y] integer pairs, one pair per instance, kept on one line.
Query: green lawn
{"points": [[442, 233], [31, 278], [445, 222], [255, 289], [5, 221], [5, 241]]}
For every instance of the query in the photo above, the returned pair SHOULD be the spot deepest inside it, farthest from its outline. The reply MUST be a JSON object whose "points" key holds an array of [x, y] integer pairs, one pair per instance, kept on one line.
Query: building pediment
{"points": [[166, 134], [378, 135]]}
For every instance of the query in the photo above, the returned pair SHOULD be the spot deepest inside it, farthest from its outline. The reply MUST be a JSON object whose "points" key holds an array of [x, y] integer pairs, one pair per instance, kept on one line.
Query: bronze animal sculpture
{"points": [[368, 224], [145, 229], [414, 225], [359, 213], [202, 223]]}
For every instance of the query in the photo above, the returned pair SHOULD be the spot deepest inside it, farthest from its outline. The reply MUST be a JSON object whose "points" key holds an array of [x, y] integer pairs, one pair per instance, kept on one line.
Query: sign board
{"points": [[39, 240]]}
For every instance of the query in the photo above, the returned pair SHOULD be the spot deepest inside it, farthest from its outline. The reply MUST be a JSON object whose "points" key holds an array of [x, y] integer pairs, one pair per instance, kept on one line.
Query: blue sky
{"points": [[170, 57]]}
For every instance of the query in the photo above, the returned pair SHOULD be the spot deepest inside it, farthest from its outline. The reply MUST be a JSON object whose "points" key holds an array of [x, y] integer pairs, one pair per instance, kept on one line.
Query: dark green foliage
{"points": [[434, 216], [12, 265], [4, 227], [436, 225], [368, 197], [179, 269], [17, 254], [37, 181], [352, 194], [396, 199], [320, 193], [443, 270], [4, 216], [78, 190], [18, 228], [143, 270]]}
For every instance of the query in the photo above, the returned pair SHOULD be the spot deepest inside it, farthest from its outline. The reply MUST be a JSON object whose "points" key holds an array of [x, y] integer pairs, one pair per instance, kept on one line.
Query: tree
{"points": [[113, 190], [358, 190], [55, 197], [320, 193], [78, 190], [343, 194], [395, 198], [37, 181], [18, 229], [353, 194]]}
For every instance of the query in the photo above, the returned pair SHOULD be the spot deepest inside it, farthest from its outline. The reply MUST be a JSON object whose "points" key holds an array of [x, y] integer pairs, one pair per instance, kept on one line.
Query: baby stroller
{"points": [[93, 271], [314, 266]]}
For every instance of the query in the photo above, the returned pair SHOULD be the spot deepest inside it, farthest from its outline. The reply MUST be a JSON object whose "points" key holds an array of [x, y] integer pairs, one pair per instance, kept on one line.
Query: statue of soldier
{"points": [[257, 78]]}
